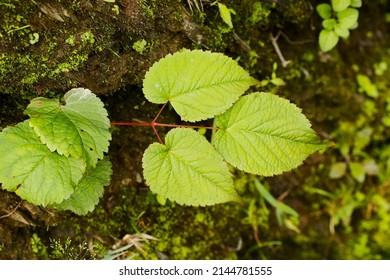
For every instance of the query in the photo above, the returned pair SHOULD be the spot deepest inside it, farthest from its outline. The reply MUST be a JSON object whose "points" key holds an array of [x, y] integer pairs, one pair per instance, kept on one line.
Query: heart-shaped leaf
{"points": [[324, 10], [199, 84], [265, 134], [35, 173], [348, 18], [188, 170], [328, 40], [79, 128], [340, 5], [342, 32]]}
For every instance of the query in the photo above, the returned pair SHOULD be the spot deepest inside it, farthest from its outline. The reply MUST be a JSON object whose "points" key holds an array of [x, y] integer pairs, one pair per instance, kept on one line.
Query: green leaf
{"points": [[356, 25], [340, 5], [357, 171], [337, 170], [88, 191], [278, 82], [225, 14], [367, 86], [265, 134], [362, 139], [199, 84], [324, 10], [329, 24], [328, 40], [371, 167], [356, 3], [188, 170], [348, 18], [30, 169], [274, 202], [342, 32], [80, 128]]}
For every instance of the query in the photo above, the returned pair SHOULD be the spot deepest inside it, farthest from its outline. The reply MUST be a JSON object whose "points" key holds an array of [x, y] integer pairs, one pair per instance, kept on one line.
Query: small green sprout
{"points": [[140, 46], [226, 14], [338, 19], [276, 81], [34, 38]]}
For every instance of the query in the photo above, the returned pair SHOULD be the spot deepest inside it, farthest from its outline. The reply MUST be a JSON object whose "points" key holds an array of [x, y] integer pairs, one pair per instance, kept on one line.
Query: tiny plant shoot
{"points": [[56, 158], [338, 19]]}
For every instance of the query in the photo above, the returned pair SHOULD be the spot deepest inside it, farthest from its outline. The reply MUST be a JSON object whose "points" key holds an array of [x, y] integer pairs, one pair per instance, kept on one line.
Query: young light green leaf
{"points": [[337, 170], [88, 191], [79, 128], [225, 14], [341, 31], [356, 25], [274, 202], [357, 171], [329, 24], [356, 3], [188, 170], [265, 134], [199, 84], [348, 18], [324, 10], [367, 86], [340, 5], [30, 169], [278, 82], [328, 40]]}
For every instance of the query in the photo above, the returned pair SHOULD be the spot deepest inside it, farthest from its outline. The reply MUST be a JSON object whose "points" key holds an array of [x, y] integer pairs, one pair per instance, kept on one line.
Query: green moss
{"points": [[297, 12], [260, 14], [198, 235], [14, 22], [148, 7], [87, 38], [215, 40], [182, 232], [29, 60], [32, 68], [38, 248]]}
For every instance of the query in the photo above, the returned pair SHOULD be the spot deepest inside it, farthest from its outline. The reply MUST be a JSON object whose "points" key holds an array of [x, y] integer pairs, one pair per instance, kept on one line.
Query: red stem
{"points": [[153, 124], [131, 124], [159, 113], [159, 124]]}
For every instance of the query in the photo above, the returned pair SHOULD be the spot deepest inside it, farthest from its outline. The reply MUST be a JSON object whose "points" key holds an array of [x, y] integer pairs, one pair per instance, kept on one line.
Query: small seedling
{"points": [[34, 38], [140, 46], [338, 19], [276, 81], [285, 215], [226, 14], [365, 85]]}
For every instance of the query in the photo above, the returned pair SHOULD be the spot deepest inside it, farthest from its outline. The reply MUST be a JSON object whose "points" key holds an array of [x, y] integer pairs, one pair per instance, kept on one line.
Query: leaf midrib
{"points": [[262, 134], [187, 92]]}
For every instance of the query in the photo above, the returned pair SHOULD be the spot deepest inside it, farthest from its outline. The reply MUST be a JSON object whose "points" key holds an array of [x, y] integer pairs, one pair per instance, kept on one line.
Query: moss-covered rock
{"points": [[51, 46]]}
